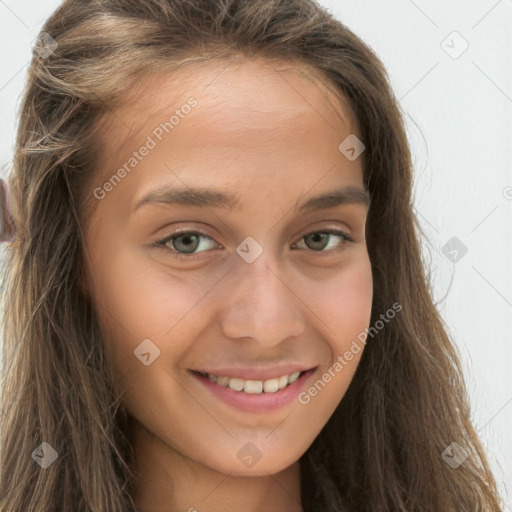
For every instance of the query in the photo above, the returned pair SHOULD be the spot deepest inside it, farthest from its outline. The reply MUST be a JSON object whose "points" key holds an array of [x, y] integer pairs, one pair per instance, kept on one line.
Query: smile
{"points": [[260, 396], [253, 386]]}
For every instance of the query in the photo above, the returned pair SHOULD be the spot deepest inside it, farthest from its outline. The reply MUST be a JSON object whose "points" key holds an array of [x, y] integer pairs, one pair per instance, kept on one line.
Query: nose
{"points": [[260, 303]]}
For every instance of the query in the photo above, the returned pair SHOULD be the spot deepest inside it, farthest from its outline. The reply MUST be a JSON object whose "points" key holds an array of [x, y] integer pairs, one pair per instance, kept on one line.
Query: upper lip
{"points": [[254, 373]]}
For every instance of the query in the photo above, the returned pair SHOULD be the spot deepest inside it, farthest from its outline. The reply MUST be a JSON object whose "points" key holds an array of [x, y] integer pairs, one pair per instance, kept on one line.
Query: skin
{"points": [[269, 134]]}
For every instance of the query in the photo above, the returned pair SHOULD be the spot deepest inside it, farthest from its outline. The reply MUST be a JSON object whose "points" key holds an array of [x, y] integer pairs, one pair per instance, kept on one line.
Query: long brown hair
{"points": [[382, 448], [7, 227]]}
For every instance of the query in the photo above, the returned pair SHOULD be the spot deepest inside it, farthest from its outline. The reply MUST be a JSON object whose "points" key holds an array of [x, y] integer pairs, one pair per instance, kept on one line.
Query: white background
{"points": [[458, 113]]}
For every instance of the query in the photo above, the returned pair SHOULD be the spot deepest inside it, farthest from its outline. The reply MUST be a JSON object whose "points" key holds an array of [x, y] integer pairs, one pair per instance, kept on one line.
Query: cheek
{"points": [[139, 301], [346, 304], [344, 307]]}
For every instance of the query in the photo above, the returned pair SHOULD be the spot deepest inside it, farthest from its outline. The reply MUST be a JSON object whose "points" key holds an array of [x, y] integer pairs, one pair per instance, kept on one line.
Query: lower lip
{"points": [[257, 402]]}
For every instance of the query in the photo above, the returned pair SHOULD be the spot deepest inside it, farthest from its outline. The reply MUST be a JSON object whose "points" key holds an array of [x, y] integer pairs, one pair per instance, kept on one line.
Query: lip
{"points": [[255, 373], [257, 402]]}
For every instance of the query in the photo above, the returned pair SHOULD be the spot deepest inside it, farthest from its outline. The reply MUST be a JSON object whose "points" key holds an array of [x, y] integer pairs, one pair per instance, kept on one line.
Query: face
{"points": [[213, 301]]}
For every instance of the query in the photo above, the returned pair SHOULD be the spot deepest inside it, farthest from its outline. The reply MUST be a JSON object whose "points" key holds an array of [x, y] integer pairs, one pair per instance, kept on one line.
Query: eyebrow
{"points": [[206, 197]]}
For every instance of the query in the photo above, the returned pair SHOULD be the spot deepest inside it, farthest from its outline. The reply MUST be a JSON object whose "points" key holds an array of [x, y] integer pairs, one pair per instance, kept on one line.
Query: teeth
{"points": [[271, 386], [293, 377], [254, 386], [283, 381], [223, 381], [236, 384]]}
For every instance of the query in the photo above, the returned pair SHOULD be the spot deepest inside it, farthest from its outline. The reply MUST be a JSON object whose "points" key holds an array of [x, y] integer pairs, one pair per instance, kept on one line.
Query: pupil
{"points": [[322, 236], [188, 246]]}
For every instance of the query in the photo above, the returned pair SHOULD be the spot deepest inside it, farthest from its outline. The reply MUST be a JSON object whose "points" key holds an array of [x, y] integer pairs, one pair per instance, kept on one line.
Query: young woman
{"points": [[216, 298]]}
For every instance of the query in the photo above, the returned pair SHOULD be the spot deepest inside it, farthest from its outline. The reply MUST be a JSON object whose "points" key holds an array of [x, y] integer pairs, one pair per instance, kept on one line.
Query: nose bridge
{"points": [[260, 303]]}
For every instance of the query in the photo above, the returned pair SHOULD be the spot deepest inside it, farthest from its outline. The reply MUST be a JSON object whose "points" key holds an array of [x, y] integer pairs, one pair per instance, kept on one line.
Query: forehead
{"points": [[233, 97], [257, 127]]}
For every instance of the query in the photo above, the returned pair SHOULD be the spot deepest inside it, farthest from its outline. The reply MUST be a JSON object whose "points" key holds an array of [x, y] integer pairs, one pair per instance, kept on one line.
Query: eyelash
{"points": [[191, 256]]}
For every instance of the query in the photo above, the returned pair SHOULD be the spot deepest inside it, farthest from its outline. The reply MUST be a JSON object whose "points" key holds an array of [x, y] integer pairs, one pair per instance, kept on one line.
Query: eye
{"points": [[316, 240], [184, 244]]}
